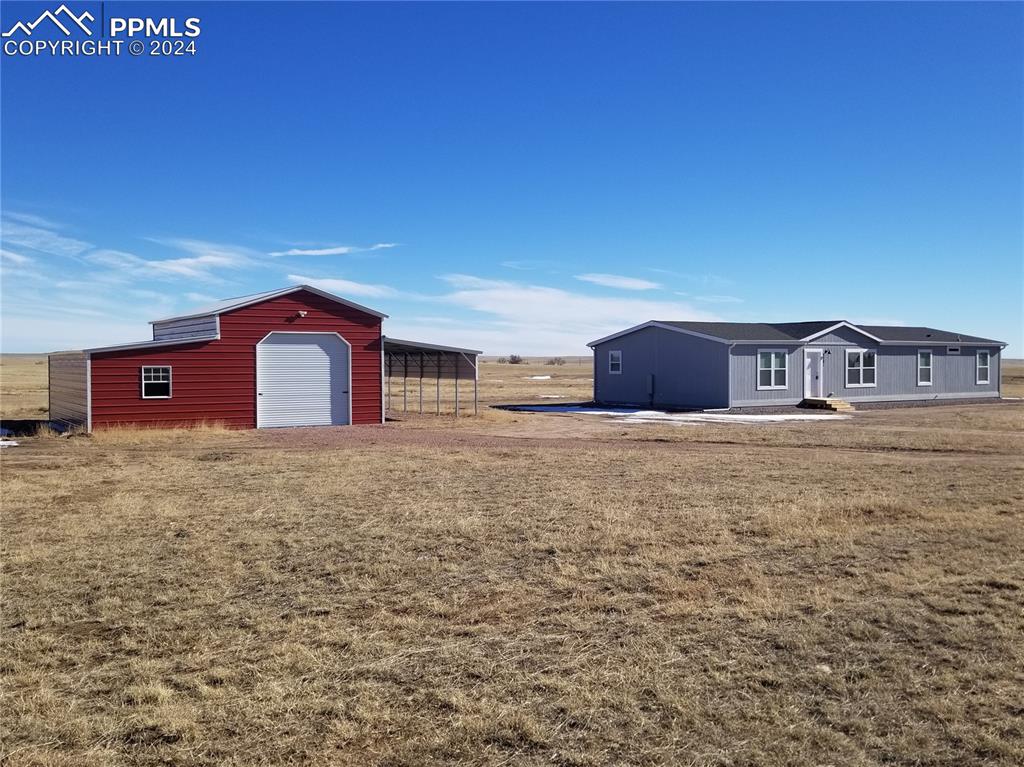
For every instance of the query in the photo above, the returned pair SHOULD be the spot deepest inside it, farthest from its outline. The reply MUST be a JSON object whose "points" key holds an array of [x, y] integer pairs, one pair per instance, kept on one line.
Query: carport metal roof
{"points": [[431, 362]]}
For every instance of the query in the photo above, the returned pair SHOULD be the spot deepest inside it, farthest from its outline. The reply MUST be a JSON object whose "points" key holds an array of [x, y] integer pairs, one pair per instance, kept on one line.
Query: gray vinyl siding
{"points": [[743, 376], [69, 388], [630, 387], [953, 376], [665, 369], [691, 372], [173, 330]]}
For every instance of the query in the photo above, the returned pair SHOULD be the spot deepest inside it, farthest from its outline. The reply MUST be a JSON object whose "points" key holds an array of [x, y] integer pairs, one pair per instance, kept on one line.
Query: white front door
{"points": [[813, 373], [302, 379]]}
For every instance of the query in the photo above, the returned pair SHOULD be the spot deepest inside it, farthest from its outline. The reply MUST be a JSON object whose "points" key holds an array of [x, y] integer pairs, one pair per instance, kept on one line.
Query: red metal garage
{"points": [[291, 357]]}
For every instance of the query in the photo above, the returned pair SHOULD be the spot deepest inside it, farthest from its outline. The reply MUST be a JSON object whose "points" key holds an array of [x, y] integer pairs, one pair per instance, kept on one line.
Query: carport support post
{"points": [[388, 407], [421, 383], [476, 380], [405, 382], [456, 387], [438, 389]]}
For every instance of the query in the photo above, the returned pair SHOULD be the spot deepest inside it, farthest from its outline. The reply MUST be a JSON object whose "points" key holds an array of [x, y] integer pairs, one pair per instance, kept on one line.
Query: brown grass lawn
{"points": [[518, 589]]}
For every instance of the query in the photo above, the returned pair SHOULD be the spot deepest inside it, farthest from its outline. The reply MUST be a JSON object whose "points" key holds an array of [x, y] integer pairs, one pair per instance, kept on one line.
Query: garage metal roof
{"points": [[229, 304]]}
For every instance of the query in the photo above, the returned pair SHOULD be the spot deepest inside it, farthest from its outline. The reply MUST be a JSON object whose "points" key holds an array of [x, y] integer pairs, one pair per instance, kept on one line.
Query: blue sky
{"points": [[523, 178]]}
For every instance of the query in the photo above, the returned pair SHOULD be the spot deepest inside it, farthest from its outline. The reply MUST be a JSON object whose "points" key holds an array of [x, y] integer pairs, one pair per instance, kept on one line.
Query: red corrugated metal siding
{"points": [[216, 380]]}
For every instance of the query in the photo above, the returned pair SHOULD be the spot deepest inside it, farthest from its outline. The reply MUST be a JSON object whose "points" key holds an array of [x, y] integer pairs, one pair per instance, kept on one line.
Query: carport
{"points": [[414, 362]]}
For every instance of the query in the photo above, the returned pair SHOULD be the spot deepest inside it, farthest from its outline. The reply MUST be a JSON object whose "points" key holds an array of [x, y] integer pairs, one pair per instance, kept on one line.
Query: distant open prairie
{"points": [[516, 589]]}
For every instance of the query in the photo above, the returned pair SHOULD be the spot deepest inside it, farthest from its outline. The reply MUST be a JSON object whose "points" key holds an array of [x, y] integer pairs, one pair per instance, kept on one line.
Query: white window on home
{"points": [[924, 367], [156, 382], [983, 365], [860, 367], [772, 369], [615, 362], [952, 350]]}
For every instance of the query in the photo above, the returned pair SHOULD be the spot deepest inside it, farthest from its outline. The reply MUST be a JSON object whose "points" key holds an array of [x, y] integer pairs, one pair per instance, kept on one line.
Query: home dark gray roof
{"points": [[923, 335], [789, 332], [755, 331]]}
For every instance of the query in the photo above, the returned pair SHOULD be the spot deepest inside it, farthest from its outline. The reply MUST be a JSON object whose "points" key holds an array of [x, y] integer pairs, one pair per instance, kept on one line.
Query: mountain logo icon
{"points": [[62, 13]]}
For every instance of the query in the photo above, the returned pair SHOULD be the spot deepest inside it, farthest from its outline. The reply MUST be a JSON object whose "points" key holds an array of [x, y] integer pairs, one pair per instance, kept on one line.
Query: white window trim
{"points": [[978, 366], [846, 369], [142, 381], [610, 354], [784, 368], [931, 367]]}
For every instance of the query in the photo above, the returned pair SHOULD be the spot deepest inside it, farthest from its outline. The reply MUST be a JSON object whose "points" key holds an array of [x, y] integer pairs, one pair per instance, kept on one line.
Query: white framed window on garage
{"points": [[924, 367], [861, 368], [156, 381], [983, 365], [615, 362], [772, 370]]}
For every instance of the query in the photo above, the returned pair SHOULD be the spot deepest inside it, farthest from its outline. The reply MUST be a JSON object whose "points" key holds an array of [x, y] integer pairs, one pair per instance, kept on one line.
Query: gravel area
{"points": [[931, 403], [785, 409], [872, 405]]}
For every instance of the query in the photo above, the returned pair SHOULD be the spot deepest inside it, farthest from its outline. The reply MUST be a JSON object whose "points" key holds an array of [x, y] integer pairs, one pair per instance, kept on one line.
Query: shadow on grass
{"points": [[27, 427]]}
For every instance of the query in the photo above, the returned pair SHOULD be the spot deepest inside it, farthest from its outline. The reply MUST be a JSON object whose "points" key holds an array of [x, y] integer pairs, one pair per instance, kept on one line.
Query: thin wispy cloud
{"points": [[200, 298], [339, 250], [77, 313], [536, 319], [334, 250], [343, 287], [15, 232], [235, 254], [109, 293], [14, 258], [31, 219], [471, 282], [11, 272], [37, 328], [706, 281], [204, 262], [618, 281]]}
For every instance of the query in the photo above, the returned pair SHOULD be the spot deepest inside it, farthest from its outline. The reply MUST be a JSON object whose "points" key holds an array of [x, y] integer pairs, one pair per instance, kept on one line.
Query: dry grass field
{"points": [[517, 589], [23, 392], [1013, 378]]}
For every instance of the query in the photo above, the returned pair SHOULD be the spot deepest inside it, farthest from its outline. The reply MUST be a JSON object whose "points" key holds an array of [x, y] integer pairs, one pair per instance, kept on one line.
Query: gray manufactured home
{"points": [[741, 364]]}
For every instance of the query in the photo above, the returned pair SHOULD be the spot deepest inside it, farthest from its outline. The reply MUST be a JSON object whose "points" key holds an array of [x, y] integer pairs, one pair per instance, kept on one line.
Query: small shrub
{"points": [[515, 359], [502, 360], [555, 361]]}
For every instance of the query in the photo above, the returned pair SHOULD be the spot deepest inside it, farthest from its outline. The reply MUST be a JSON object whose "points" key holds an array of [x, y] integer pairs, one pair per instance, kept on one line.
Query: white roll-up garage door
{"points": [[302, 379]]}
